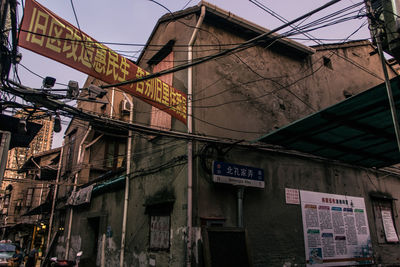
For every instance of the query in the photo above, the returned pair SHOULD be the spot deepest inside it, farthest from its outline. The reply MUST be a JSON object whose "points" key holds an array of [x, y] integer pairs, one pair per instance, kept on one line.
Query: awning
{"points": [[10, 124], [43, 208], [358, 130]]}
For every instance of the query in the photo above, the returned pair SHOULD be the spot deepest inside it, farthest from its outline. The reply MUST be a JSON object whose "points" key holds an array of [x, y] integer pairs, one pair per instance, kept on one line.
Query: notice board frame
{"points": [[210, 234]]}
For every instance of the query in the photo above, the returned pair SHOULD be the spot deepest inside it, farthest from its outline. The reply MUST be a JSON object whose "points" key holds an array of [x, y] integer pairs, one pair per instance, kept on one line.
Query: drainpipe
{"points": [[240, 193], [53, 204], [71, 211], [41, 188], [40, 200], [103, 247], [128, 174], [190, 143], [112, 103], [389, 92]]}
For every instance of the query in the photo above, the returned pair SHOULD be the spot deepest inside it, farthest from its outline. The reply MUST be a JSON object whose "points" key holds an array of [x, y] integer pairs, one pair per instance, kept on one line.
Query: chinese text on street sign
{"points": [[45, 33], [229, 173]]}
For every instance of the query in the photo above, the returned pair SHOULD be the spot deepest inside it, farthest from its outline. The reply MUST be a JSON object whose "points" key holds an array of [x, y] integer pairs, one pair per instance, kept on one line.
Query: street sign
{"points": [[229, 173]]}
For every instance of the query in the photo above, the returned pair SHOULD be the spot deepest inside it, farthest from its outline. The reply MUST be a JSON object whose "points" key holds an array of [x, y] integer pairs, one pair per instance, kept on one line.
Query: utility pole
{"points": [[4, 34], [389, 91], [3, 20], [383, 24]]}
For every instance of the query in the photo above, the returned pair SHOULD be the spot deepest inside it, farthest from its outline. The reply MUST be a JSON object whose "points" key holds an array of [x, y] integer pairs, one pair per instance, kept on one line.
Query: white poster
{"points": [[292, 196], [336, 231], [390, 231]]}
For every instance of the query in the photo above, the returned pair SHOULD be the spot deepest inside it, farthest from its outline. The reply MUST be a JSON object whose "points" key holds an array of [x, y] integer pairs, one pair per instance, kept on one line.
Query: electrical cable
{"points": [[316, 40]]}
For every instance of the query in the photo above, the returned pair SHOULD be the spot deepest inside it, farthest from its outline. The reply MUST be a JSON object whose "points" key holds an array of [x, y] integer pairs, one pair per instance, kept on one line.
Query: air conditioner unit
{"points": [[125, 106]]}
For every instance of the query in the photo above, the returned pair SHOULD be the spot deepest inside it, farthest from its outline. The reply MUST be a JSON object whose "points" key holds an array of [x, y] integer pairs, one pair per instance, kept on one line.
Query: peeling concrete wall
{"points": [[75, 246], [275, 229], [244, 96], [241, 96], [112, 252], [60, 248]]}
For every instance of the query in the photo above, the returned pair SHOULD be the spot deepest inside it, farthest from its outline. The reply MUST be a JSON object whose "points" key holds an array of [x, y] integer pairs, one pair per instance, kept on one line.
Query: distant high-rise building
{"points": [[18, 196], [42, 142]]}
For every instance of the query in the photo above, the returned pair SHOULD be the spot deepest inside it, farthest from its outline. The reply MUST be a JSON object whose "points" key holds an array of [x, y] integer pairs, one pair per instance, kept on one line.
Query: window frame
{"points": [[152, 232], [380, 203]]}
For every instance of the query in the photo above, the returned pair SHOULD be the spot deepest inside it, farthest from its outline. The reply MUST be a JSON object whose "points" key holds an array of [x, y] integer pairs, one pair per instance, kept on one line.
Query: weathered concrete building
{"points": [[18, 194], [27, 203], [174, 203], [92, 155]]}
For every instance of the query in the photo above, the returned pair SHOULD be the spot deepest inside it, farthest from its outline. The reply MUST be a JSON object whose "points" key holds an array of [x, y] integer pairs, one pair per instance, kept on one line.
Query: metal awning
{"points": [[43, 208], [18, 139], [358, 130]]}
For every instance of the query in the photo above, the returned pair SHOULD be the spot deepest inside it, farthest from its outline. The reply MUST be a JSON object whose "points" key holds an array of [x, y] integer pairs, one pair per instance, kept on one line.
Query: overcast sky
{"points": [[131, 22]]}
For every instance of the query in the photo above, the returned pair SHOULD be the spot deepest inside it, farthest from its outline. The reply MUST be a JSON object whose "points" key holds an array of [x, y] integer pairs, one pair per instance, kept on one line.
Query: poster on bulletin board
{"points": [[336, 231]]}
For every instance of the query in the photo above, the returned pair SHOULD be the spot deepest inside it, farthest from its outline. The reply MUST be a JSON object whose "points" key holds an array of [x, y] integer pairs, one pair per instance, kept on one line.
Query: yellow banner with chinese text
{"points": [[45, 33]]}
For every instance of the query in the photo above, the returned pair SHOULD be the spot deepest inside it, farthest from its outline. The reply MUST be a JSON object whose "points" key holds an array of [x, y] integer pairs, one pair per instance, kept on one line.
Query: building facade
{"points": [[19, 195], [42, 142], [177, 213], [27, 216]]}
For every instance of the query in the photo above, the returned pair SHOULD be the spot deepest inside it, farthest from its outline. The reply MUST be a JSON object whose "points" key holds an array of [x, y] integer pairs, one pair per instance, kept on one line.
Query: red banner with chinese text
{"points": [[45, 33]]}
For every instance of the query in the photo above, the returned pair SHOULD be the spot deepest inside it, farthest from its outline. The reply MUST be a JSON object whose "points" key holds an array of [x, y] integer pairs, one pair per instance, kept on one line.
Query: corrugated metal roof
{"points": [[358, 130]]}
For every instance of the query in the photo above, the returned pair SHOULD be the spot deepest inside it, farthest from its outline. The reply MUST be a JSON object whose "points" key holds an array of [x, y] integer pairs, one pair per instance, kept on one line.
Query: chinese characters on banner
{"points": [[336, 230], [45, 33]]}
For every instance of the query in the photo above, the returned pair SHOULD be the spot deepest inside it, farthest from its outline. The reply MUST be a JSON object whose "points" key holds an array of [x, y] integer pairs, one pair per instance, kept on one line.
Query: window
{"points": [[7, 200], [159, 208], [28, 197], [70, 151], [383, 213], [159, 118], [159, 232], [327, 62], [18, 205], [115, 153]]}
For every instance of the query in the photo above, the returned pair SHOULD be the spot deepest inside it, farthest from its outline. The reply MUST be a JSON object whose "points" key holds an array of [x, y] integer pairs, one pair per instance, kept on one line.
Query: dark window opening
{"points": [[225, 247], [162, 53], [92, 247], [70, 151], [115, 153], [28, 197], [327, 62]]}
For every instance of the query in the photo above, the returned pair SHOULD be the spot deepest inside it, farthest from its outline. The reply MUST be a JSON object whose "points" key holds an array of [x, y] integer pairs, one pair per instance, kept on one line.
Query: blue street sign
{"points": [[229, 173]]}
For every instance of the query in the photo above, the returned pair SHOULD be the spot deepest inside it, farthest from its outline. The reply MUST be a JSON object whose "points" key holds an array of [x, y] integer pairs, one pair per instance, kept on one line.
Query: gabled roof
{"points": [[222, 18], [358, 130], [47, 152], [342, 45], [55, 153]]}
